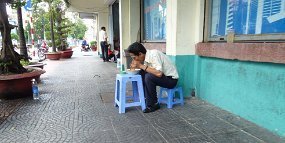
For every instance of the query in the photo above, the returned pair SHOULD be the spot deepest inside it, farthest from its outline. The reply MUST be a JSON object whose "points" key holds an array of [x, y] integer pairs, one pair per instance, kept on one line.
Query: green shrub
{"points": [[24, 62], [93, 43]]}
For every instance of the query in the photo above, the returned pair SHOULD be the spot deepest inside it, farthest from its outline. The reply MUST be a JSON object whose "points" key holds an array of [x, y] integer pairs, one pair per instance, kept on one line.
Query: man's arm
{"points": [[151, 70], [105, 36], [137, 64]]}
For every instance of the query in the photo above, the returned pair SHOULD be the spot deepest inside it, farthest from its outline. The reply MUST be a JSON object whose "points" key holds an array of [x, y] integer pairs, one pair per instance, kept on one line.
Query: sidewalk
{"points": [[76, 105]]}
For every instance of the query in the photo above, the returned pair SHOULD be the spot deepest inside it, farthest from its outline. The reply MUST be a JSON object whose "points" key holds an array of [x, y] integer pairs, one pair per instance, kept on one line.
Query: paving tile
{"points": [[193, 112], [211, 124], [144, 134], [193, 139], [14, 136], [163, 115], [96, 123], [264, 134], [129, 120], [71, 109], [176, 129], [234, 137], [93, 136]]}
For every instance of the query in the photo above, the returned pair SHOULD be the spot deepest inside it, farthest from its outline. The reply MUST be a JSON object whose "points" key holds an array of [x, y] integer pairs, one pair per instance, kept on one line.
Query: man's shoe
{"points": [[156, 106], [151, 108], [148, 110]]}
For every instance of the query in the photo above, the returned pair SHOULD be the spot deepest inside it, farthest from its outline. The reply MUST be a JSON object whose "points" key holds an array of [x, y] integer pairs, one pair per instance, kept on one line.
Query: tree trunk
{"points": [[23, 47], [9, 59], [51, 28]]}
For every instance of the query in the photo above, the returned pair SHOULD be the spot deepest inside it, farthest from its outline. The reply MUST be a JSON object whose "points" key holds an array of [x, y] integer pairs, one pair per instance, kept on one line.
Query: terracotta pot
{"points": [[37, 65], [53, 56], [68, 49], [66, 54], [18, 85], [94, 48]]}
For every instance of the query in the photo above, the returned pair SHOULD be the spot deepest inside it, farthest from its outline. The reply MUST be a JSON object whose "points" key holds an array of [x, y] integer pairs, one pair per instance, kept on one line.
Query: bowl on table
{"points": [[134, 71]]}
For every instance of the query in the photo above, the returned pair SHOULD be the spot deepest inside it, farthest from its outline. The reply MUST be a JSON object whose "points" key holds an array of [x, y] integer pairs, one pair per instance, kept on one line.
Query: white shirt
{"points": [[161, 62], [102, 35]]}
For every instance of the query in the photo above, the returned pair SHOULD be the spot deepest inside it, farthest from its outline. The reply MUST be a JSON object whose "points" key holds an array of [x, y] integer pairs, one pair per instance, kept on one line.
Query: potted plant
{"points": [[28, 64], [93, 45], [54, 55], [62, 28], [15, 80]]}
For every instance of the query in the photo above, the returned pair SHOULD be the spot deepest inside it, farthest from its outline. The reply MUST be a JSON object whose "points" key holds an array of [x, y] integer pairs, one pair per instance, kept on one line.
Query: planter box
{"points": [[66, 54], [18, 85], [37, 65], [94, 48], [53, 56]]}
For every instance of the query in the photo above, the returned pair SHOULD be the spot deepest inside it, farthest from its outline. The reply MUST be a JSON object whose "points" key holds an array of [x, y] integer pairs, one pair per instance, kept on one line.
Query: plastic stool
{"points": [[120, 92], [170, 100]]}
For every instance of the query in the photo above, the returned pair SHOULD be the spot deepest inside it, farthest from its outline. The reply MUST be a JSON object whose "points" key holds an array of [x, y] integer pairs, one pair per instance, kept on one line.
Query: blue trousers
{"points": [[104, 48], [150, 82]]}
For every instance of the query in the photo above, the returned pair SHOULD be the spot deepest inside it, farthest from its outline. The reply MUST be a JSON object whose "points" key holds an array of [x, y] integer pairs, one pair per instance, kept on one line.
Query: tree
{"points": [[9, 59], [23, 48], [14, 36], [53, 17], [63, 26], [79, 29]]}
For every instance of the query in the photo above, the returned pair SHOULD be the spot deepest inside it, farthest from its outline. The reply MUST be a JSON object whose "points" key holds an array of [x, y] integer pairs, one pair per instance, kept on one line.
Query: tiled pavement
{"points": [[76, 105]]}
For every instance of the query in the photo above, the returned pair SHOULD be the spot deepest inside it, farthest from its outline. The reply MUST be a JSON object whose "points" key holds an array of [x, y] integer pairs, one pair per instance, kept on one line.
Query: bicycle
{"points": [[41, 52]]}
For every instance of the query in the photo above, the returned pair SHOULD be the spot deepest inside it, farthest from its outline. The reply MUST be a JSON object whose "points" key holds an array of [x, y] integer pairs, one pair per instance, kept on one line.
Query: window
{"points": [[154, 20], [249, 19]]}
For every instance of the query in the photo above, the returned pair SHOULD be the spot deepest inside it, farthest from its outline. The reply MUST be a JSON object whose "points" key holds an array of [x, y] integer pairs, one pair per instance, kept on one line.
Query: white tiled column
{"points": [[184, 26], [129, 23], [103, 20]]}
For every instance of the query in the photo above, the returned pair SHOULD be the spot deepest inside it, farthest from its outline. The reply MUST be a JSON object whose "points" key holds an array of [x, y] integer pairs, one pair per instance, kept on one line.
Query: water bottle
{"points": [[35, 89], [118, 63], [122, 71]]}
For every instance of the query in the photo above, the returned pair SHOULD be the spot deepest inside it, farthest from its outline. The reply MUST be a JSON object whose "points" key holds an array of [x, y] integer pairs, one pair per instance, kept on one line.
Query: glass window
{"points": [[247, 17], [154, 13]]}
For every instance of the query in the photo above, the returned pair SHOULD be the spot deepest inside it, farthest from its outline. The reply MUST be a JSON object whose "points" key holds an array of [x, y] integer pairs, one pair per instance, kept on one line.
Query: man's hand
{"points": [[136, 65], [139, 65]]}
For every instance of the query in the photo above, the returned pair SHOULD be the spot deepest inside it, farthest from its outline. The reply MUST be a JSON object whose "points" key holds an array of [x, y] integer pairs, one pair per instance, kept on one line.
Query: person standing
{"points": [[156, 70], [103, 43]]}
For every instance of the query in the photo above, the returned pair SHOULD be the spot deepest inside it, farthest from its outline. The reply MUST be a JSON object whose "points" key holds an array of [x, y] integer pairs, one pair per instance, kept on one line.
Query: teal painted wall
{"points": [[185, 65], [254, 91]]}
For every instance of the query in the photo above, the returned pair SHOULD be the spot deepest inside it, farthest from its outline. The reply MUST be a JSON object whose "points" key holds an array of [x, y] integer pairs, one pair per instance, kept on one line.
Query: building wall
{"points": [[252, 90], [184, 30]]}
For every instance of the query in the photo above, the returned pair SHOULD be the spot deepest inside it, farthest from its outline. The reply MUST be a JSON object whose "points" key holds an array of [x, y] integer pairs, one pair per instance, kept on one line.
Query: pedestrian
{"points": [[156, 70], [103, 43]]}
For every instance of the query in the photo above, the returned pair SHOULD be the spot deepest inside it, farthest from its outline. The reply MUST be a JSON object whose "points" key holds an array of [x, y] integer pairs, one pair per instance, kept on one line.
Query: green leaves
{"points": [[17, 3]]}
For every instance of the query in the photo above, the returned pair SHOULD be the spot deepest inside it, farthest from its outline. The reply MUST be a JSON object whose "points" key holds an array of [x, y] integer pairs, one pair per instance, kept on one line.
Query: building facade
{"points": [[245, 76]]}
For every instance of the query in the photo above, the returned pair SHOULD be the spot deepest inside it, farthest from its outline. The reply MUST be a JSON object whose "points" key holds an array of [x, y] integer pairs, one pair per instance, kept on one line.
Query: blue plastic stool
{"points": [[120, 92], [170, 100]]}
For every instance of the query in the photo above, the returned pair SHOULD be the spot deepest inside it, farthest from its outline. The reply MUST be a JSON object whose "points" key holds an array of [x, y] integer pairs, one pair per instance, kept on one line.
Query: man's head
{"points": [[137, 51], [103, 28]]}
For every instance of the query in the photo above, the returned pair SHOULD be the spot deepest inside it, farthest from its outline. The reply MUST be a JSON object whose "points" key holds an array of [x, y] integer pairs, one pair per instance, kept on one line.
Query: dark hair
{"points": [[103, 28], [136, 48]]}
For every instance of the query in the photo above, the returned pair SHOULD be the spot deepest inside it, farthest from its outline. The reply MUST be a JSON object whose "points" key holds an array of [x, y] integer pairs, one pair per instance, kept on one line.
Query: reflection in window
{"points": [[247, 16], [154, 20]]}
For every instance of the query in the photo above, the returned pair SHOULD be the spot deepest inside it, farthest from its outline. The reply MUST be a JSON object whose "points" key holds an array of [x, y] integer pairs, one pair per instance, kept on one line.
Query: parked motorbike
{"points": [[85, 48], [41, 52]]}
